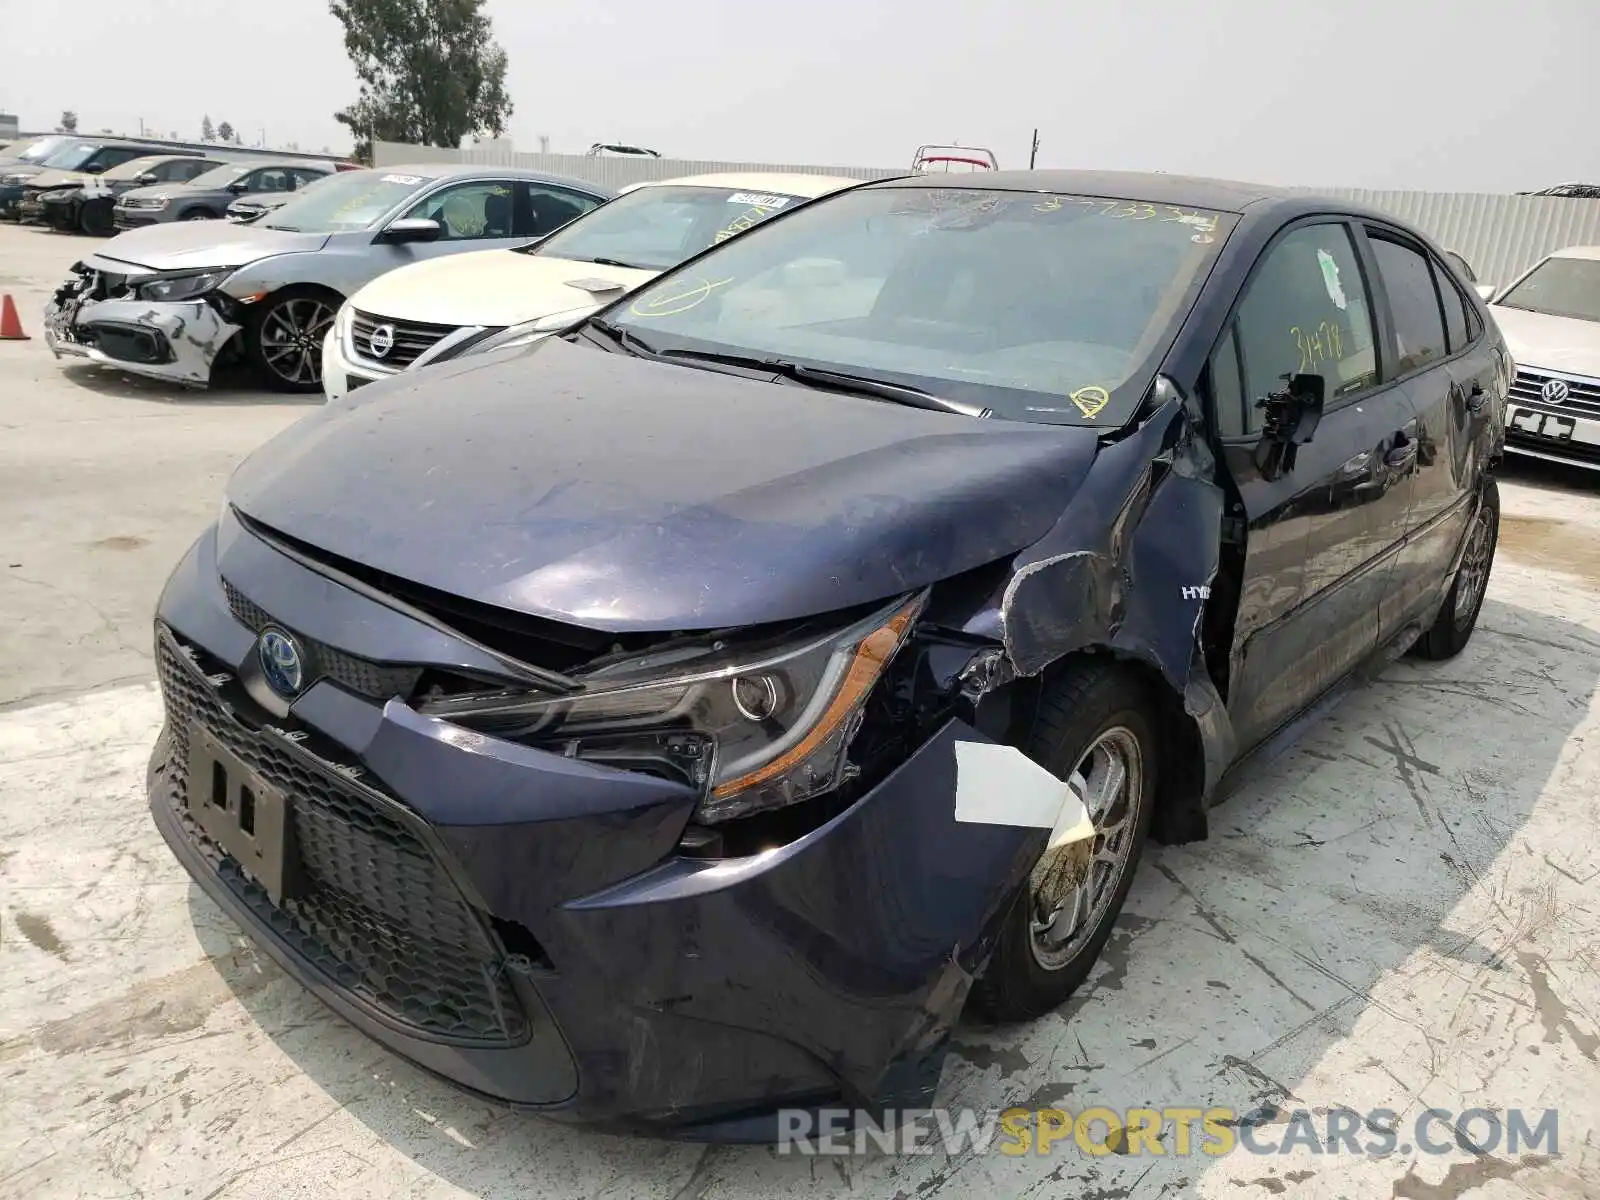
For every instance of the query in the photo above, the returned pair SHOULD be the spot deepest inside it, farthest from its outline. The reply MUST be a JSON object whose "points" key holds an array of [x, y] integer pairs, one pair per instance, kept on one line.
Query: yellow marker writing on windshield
{"points": [[682, 299], [1090, 400]]}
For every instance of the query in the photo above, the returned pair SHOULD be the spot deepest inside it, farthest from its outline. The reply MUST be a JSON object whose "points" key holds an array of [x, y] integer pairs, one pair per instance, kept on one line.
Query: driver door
{"points": [[1320, 540]]}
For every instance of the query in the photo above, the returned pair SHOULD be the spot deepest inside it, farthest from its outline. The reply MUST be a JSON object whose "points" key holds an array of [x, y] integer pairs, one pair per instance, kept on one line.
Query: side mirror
{"points": [[411, 229], [148, 177], [1485, 292], [239, 186], [1292, 417], [94, 169]]}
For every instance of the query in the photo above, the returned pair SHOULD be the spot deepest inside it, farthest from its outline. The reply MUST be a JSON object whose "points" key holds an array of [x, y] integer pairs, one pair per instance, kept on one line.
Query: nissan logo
{"points": [[1555, 391], [381, 340]]}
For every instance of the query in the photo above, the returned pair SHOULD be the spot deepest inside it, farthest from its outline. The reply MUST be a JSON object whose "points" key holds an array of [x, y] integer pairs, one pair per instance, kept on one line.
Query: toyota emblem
{"points": [[1555, 391], [381, 340]]}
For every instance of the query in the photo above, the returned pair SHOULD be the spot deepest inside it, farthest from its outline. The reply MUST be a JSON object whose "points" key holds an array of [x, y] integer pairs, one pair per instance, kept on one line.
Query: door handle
{"points": [[1401, 457]]}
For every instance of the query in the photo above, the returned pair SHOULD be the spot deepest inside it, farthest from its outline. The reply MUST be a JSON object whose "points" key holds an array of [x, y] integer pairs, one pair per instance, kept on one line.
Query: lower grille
{"points": [[1568, 449], [1583, 395], [377, 914], [410, 339]]}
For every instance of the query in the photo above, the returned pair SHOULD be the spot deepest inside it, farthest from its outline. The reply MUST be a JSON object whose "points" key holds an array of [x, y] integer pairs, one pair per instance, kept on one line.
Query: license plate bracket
{"points": [[1550, 425], [250, 820]]}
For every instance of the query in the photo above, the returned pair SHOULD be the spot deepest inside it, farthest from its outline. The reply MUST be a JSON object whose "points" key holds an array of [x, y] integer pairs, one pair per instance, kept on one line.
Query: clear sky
{"points": [[1472, 95]]}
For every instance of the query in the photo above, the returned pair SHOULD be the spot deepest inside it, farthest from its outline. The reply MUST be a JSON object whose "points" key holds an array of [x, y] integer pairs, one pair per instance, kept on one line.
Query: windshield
{"points": [[36, 151], [345, 200], [220, 177], [1047, 308], [70, 156], [1560, 287], [657, 227]]}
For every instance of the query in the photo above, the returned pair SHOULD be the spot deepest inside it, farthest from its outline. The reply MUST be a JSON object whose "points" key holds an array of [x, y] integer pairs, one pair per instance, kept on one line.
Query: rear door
{"points": [[1448, 368], [1320, 540]]}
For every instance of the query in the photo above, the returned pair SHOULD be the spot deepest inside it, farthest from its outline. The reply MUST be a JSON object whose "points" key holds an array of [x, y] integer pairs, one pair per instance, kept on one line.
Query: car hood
{"points": [[59, 179], [625, 495], [181, 244], [1559, 343], [490, 287]]}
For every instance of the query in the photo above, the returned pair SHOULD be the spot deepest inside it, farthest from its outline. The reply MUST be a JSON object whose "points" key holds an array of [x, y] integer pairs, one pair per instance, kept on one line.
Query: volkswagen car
{"points": [[435, 311], [72, 202], [1550, 316], [685, 716], [171, 301]]}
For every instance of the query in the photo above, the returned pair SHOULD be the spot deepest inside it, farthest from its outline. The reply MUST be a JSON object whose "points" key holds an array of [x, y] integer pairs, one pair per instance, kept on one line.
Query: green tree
{"points": [[69, 122], [430, 70], [225, 132], [208, 131]]}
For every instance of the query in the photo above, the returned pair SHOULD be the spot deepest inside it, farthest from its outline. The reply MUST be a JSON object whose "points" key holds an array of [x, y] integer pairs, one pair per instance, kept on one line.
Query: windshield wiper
{"points": [[860, 385], [617, 262], [624, 338]]}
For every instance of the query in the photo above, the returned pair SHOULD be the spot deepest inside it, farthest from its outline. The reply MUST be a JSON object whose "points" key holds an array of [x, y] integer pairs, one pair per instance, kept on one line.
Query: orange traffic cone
{"points": [[10, 323]]}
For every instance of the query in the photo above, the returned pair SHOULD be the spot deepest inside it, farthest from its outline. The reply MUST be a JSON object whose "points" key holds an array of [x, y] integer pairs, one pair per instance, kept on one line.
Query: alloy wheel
{"points": [[1473, 576], [291, 339], [1072, 886]]}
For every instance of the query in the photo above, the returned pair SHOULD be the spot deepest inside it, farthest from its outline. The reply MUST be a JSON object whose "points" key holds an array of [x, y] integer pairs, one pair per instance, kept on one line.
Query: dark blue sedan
{"points": [[685, 717]]}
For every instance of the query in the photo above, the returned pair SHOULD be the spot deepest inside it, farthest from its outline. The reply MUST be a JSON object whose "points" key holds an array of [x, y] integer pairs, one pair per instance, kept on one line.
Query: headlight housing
{"points": [[187, 286], [758, 727], [516, 335], [156, 202]]}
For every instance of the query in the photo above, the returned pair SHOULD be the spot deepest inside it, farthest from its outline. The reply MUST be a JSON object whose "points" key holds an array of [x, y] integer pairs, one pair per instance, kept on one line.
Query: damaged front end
{"points": [[163, 325]]}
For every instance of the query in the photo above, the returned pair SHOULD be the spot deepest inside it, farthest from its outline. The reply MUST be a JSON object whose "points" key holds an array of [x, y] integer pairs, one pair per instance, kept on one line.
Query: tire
{"points": [[1087, 706], [1452, 629], [198, 214], [95, 220], [293, 321]]}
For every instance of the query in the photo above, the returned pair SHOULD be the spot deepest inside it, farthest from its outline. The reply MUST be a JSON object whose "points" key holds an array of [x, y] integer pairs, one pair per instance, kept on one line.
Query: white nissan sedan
{"points": [[493, 299]]}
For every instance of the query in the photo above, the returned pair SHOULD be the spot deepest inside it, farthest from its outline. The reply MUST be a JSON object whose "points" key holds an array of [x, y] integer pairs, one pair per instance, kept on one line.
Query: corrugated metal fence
{"points": [[1499, 235]]}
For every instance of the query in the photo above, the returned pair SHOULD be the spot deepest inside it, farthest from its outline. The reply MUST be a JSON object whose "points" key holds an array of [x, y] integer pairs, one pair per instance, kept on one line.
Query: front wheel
{"points": [[284, 336], [1096, 731], [1459, 616], [198, 214]]}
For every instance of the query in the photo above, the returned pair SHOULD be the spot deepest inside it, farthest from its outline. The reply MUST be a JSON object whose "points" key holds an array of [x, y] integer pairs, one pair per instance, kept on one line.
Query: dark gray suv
{"points": [[207, 197]]}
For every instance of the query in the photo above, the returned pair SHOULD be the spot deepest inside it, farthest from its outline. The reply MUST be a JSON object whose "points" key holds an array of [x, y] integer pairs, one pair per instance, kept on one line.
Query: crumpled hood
{"points": [[490, 287], [1559, 343], [59, 179], [622, 494], [181, 244]]}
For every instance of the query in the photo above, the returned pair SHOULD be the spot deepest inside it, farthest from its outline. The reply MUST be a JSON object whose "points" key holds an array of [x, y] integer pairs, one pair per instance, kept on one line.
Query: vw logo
{"points": [[281, 663], [1555, 391], [381, 340]]}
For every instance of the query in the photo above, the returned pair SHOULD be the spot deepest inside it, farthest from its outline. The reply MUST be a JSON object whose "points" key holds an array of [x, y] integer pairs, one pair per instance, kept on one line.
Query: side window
{"points": [[303, 177], [1227, 389], [183, 172], [270, 179], [1304, 312], [112, 156], [1414, 301], [1455, 310], [481, 209], [550, 208]]}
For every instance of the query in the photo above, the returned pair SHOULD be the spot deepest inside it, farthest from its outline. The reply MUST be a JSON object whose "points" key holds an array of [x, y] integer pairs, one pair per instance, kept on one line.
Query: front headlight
{"points": [[518, 335], [757, 728], [148, 202], [181, 287], [56, 194], [14, 178]]}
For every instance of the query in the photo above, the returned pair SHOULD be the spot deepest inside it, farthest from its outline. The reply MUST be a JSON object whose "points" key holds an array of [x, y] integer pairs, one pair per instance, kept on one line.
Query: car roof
{"points": [[162, 158], [1157, 187], [1577, 252], [469, 171], [784, 183]]}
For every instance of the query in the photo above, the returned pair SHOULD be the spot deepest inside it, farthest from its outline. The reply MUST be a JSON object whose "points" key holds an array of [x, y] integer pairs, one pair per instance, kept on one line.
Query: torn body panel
{"points": [[177, 341], [1128, 568]]}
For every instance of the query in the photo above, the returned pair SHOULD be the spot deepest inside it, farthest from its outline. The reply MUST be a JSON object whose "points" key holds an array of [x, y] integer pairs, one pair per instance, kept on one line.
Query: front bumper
{"points": [[30, 208], [524, 925], [340, 375], [177, 341], [10, 200], [135, 218]]}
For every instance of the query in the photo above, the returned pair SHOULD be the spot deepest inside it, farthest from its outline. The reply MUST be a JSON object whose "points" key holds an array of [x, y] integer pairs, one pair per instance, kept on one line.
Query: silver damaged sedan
{"points": [[171, 301]]}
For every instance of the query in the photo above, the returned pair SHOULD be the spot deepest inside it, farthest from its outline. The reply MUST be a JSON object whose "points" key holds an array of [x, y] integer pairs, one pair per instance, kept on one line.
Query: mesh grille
{"points": [[1583, 395], [377, 913], [360, 675]]}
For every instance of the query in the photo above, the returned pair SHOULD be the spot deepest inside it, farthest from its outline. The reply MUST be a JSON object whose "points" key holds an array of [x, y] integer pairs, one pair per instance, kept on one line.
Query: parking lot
{"points": [[1398, 912]]}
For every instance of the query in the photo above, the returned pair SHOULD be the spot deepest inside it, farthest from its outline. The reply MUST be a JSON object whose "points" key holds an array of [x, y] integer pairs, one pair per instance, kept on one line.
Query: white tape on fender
{"points": [[1000, 785]]}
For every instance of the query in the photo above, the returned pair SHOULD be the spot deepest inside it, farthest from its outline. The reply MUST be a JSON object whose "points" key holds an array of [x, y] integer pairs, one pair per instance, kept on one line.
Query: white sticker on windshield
{"points": [[405, 179], [1330, 279], [756, 200]]}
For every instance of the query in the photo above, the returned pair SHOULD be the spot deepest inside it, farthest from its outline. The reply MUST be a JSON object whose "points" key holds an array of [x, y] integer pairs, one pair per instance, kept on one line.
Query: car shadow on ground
{"points": [[1387, 854], [234, 384]]}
